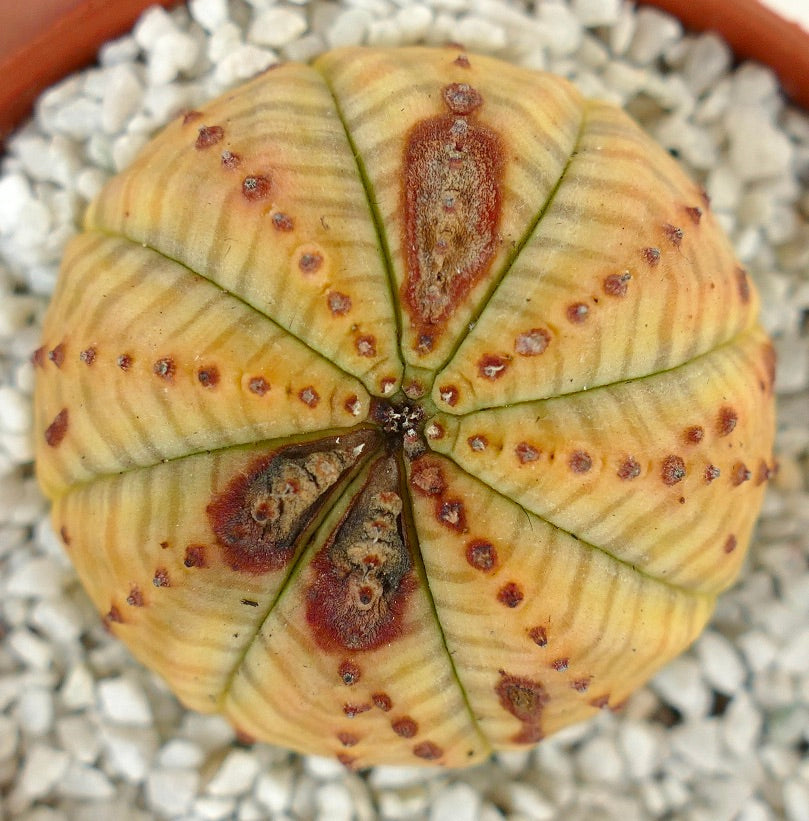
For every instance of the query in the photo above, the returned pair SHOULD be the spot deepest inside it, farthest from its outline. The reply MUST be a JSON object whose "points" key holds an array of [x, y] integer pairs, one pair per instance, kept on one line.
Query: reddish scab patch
{"points": [[38, 357], [581, 685], [577, 313], [711, 472], [405, 727], [533, 342], [510, 595], [348, 761], [526, 453], [524, 699], [256, 187], [673, 234], [492, 367], [124, 362], [365, 345], [64, 535], [165, 368], [462, 61], [694, 435], [560, 664], [309, 396], [347, 739], [135, 597], [88, 356], [161, 578], [482, 555], [349, 673], [382, 701], [231, 160], [740, 474], [209, 135], [451, 514], [694, 213], [580, 461], [258, 385], [763, 473], [339, 304], [651, 256], [208, 376], [428, 751], [477, 443], [449, 394], [617, 284], [600, 702], [310, 262], [114, 615], [539, 635], [726, 421], [191, 116], [461, 98], [282, 222], [629, 469], [672, 470], [353, 710], [730, 544], [56, 431], [427, 478], [57, 355], [195, 556], [353, 405], [743, 285]]}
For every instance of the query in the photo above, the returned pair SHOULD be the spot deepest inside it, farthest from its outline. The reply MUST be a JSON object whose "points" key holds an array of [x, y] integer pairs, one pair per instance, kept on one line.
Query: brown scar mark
{"points": [[451, 201], [533, 342], [672, 470], [525, 699], [309, 396], [161, 578], [57, 355], [405, 727], [694, 434], [651, 255], [492, 366], [711, 472], [88, 356], [208, 136], [266, 508], [730, 544], [353, 710], [195, 556], [694, 213], [57, 430], [428, 751], [124, 362], [382, 701], [135, 597], [347, 739], [539, 635], [482, 555], [231, 160], [362, 577], [673, 234], [165, 368], [349, 673], [577, 313], [510, 595], [743, 285], [258, 187], [208, 377], [726, 421], [740, 474], [191, 116]]}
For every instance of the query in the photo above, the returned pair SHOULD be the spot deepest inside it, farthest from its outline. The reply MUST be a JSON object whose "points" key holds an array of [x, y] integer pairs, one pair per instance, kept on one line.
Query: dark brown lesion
{"points": [[525, 699], [261, 516], [451, 196], [362, 576]]}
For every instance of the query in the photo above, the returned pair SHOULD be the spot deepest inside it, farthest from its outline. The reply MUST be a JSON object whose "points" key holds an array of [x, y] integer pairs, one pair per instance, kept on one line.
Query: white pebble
{"points": [[15, 194], [562, 33], [333, 802], [273, 789], [9, 736], [30, 649], [122, 50], [77, 688], [654, 32], [243, 62], [126, 148], [35, 711], [741, 725], [598, 760], [697, 742], [180, 753], [641, 748], [210, 14], [413, 23], [123, 701], [213, 809], [151, 25], [79, 736], [796, 800], [276, 27], [59, 619], [129, 751], [528, 802], [322, 768], [81, 781], [172, 54], [708, 59], [721, 665], [793, 364], [757, 149], [456, 802], [79, 118], [596, 12], [349, 28], [15, 410], [680, 684], [122, 98], [235, 775], [171, 791], [43, 768]]}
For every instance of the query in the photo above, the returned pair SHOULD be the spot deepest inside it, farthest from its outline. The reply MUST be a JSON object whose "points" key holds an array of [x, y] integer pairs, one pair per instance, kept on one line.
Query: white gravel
{"points": [[722, 734]]}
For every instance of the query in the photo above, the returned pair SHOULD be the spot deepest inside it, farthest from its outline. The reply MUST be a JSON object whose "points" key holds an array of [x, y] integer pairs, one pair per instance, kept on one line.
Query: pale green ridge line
{"points": [[678, 589], [373, 207], [729, 343], [117, 235], [409, 520], [519, 245]]}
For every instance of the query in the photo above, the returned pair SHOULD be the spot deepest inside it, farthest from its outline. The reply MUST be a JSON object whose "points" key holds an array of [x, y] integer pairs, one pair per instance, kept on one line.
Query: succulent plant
{"points": [[404, 407]]}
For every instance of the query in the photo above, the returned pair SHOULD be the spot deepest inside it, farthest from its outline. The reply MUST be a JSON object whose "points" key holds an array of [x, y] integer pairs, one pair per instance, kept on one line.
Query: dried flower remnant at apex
{"points": [[451, 178], [362, 578], [262, 513]]}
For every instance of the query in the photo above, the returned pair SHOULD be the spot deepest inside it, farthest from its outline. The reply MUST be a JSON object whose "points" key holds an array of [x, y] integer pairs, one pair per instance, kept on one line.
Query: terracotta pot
{"points": [[44, 40]]}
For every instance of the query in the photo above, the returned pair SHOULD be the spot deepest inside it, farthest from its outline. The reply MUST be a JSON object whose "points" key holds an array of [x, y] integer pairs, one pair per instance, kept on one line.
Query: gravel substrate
{"points": [[722, 733]]}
